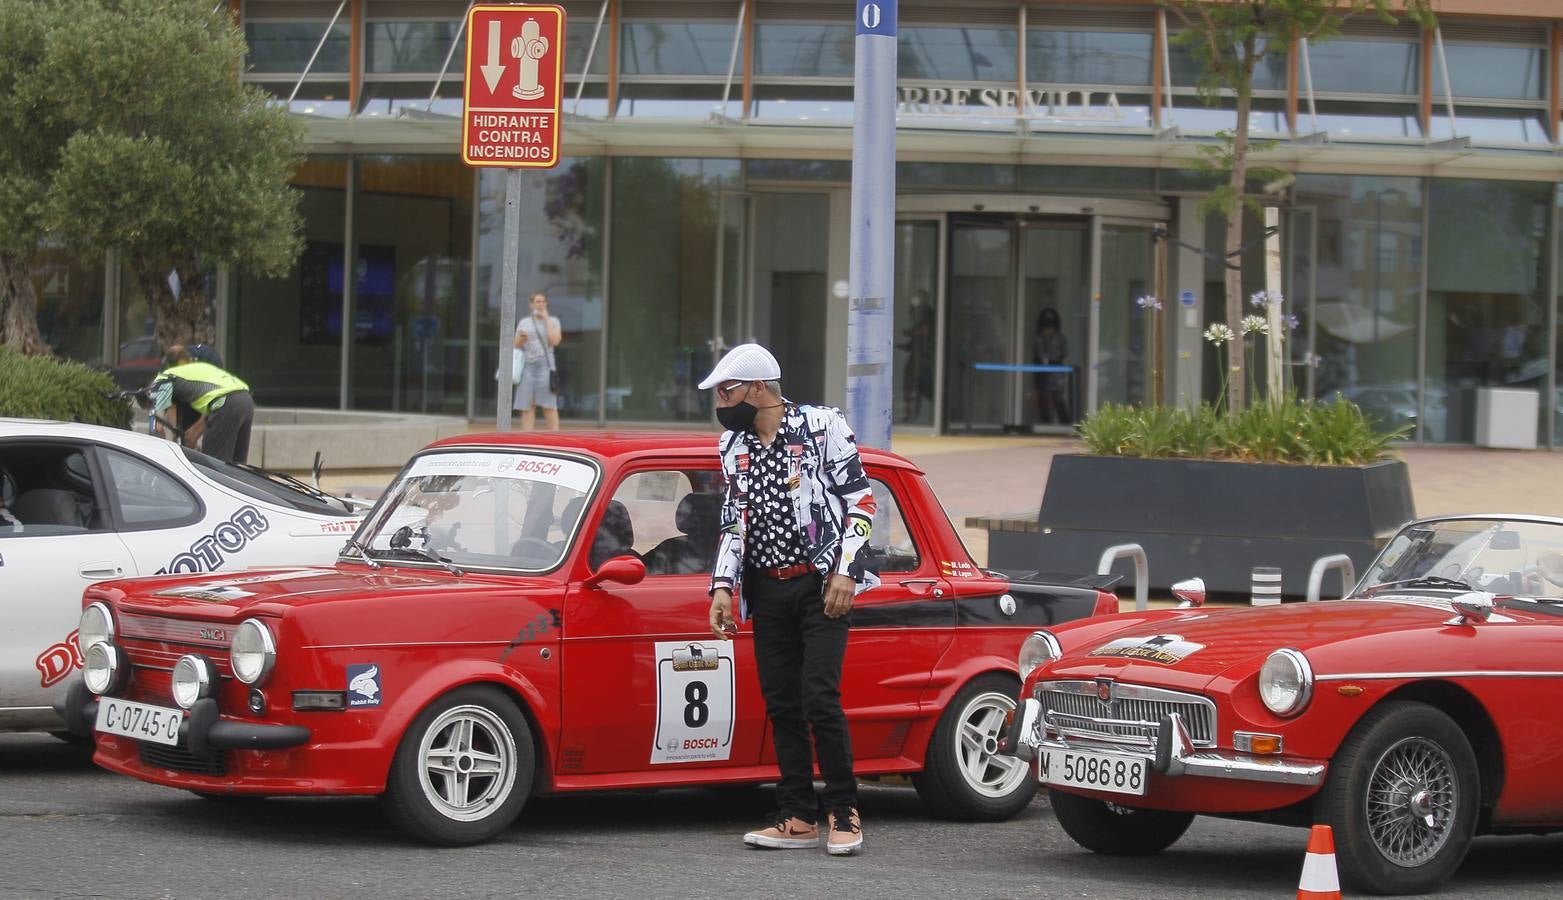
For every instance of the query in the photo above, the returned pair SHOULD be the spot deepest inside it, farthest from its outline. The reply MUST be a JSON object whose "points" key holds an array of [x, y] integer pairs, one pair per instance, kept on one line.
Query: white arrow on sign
{"points": [[493, 71]]}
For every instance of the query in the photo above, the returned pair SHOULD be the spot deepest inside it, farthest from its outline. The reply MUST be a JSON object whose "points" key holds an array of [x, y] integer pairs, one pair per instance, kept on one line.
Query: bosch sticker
{"points": [[209, 552], [695, 702], [1167, 649], [363, 686], [58, 661]]}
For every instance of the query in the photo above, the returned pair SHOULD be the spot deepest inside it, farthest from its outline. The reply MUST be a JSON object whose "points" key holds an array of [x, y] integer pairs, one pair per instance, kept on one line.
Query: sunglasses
{"points": [[726, 391]]}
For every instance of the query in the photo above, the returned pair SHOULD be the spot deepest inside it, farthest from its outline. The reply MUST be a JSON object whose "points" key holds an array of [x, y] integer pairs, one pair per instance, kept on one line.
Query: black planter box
{"points": [[1216, 520]]}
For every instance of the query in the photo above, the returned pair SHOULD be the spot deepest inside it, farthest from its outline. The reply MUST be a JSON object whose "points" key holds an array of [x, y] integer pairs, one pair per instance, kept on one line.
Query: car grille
{"points": [[1074, 709], [180, 759]]}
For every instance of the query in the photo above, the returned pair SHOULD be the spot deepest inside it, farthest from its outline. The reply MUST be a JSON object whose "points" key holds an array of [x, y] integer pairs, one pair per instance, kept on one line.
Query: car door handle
{"points": [[101, 570], [929, 582]]}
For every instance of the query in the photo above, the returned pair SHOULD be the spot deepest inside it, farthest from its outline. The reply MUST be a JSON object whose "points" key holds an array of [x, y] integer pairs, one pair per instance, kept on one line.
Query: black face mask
{"points": [[738, 417]]}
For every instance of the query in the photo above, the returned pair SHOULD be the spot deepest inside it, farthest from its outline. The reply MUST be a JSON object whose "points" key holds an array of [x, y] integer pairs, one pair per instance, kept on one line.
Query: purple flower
{"points": [[1291, 322], [1262, 299]]}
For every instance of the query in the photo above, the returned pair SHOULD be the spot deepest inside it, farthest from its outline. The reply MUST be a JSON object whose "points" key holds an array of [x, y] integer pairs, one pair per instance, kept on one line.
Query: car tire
{"points": [[1113, 830], [463, 770], [963, 776], [1404, 759]]}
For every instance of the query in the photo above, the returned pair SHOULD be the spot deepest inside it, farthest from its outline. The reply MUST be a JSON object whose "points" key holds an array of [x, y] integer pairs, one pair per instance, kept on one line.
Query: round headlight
{"points": [[100, 666], [192, 680], [1039, 649], [1286, 682], [253, 652], [96, 627]]}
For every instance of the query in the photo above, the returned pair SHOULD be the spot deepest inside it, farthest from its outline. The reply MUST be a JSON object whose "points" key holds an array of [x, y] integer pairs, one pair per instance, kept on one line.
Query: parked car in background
{"points": [[527, 614], [1415, 713], [83, 503]]}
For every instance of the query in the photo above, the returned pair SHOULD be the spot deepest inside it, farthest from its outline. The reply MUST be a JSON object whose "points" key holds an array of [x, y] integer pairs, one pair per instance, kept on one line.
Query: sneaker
{"points": [[846, 832], [791, 833]]}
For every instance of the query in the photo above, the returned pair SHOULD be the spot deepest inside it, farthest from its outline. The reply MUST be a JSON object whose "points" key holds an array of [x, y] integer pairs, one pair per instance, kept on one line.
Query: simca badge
{"points": [[1007, 605], [1104, 690]]}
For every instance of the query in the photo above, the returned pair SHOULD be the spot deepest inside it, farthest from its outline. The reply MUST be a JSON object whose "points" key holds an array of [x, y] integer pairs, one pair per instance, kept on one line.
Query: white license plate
{"points": [[141, 721], [1097, 771]]}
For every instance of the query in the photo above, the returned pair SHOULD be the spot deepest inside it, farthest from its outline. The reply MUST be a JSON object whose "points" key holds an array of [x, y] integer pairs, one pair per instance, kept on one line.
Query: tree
{"points": [[170, 159], [1229, 38], [28, 154]]}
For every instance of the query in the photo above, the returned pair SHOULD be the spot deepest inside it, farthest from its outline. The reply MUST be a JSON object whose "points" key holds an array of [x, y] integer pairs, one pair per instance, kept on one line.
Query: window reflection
{"points": [[1087, 57], [286, 46], [1358, 65], [676, 48], [811, 51], [957, 54], [327, 99], [1269, 75], [409, 46], [1492, 124], [916, 320], [1496, 72], [69, 290], [1486, 313]]}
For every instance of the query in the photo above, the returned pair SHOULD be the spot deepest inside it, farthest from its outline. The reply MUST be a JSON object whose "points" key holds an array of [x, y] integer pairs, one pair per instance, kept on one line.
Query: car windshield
{"points": [[480, 509], [1507, 557]]}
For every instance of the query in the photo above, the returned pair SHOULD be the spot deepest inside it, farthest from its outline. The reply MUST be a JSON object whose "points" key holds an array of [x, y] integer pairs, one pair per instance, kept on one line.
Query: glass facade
{"points": [[1020, 135]]}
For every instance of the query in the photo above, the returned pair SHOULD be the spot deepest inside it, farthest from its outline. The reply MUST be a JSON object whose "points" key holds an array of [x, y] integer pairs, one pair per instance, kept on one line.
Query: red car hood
{"points": [[1187, 650], [261, 592]]}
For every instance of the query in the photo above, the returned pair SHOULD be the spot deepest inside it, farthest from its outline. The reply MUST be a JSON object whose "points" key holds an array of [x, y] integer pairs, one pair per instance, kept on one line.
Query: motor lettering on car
{"points": [[696, 697], [209, 552], [58, 661], [1166, 649]]}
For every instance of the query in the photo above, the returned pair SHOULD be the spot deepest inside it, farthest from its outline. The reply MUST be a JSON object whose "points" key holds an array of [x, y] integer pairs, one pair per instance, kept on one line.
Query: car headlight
{"points": [[100, 667], [193, 679], [253, 652], [1039, 648], [1286, 682], [96, 627]]}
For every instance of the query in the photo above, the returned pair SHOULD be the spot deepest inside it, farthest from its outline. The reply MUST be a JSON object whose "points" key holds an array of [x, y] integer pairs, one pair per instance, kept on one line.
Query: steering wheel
{"points": [[534, 549]]}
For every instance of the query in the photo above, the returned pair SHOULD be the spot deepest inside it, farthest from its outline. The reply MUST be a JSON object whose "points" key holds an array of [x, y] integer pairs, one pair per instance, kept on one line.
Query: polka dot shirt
{"points": [[773, 539]]}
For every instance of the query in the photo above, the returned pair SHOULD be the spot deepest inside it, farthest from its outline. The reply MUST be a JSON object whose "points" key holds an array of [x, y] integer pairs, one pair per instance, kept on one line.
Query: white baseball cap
{"points": [[745, 362]]}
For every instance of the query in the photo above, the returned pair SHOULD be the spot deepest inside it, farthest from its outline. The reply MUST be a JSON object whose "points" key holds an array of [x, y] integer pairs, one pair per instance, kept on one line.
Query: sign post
{"points": [[871, 267], [510, 119]]}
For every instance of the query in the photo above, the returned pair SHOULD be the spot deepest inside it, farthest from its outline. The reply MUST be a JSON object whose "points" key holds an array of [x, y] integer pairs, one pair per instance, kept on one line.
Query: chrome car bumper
{"points": [[1174, 755]]}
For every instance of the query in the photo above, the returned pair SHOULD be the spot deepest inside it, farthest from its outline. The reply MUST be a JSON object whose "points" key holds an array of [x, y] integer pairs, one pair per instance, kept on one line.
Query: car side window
{"points": [[671, 519], [891, 545], [47, 489], [148, 496]]}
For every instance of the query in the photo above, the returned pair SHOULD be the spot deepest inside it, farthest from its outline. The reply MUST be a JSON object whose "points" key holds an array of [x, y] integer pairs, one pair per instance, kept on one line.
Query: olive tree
{"points": [[1230, 38], [170, 159]]}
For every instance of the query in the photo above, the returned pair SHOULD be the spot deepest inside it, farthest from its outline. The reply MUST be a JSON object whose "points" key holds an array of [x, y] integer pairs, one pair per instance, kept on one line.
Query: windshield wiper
{"points": [[287, 480], [430, 555], [353, 544], [1430, 581]]}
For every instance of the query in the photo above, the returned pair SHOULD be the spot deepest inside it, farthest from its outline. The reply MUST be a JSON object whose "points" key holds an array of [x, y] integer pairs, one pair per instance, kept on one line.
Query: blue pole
{"points": [[871, 271]]}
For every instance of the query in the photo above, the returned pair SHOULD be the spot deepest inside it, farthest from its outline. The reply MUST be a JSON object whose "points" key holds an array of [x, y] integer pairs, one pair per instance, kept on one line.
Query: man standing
{"points": [[215, 403], [796, 515], [536, 337]]}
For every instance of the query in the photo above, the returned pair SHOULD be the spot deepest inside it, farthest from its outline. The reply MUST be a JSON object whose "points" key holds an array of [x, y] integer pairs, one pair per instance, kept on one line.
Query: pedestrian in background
{"points": [[796, 515], [536, 336], [216, 404]]}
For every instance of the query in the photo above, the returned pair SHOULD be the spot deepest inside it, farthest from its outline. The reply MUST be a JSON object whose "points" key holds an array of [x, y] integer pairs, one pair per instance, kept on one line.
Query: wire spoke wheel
{"points": [[1412, 799]]}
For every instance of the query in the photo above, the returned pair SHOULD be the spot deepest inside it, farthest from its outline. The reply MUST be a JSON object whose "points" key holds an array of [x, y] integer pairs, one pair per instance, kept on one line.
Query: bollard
{"points": [[1265, 586]]}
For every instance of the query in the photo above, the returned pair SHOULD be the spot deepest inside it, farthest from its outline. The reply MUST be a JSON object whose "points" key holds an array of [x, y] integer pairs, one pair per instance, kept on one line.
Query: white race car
{"points": [[82, 503]]}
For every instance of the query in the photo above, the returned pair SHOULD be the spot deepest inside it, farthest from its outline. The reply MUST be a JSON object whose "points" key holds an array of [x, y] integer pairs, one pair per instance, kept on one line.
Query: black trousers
{"points": [[227, 434], [798, 651]]}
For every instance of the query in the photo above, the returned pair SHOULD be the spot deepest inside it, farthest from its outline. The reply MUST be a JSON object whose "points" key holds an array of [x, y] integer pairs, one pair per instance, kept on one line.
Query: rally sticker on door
{"points": [[695, 696]]}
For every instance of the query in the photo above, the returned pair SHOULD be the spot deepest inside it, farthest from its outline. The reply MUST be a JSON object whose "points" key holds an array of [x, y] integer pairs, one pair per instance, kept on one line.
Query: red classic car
{"points": [[1415, 713], [527, 615]]}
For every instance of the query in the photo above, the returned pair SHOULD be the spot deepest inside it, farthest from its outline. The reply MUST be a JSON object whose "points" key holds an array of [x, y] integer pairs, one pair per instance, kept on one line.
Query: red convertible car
{"points": [[1415, 713], [527, 615]]}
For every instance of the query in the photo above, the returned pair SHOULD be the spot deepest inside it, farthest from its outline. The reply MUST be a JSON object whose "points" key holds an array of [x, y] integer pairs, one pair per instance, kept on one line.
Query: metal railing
{"points": [[1142, 583], [1348, 574]]}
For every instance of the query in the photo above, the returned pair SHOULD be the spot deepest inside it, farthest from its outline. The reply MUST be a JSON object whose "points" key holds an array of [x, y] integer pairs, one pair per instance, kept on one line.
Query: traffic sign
{"points": [[513, 89]]}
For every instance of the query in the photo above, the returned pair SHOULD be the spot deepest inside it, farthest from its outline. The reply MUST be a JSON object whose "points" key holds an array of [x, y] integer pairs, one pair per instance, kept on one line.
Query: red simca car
{"points": [[523, 615], [1419, 711]]}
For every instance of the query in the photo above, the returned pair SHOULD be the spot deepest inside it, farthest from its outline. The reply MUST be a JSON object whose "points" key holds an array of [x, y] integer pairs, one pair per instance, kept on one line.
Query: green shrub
{"points": [[1307, 432], [40, 387]]}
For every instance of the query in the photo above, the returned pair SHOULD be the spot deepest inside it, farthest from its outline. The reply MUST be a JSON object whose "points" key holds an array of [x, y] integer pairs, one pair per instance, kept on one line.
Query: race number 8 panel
{"points": [[695, 695]]}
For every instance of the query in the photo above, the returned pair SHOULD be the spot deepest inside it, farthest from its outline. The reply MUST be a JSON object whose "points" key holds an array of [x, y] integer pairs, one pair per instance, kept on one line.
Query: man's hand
{"points": [[723, 626], [839, 590]]}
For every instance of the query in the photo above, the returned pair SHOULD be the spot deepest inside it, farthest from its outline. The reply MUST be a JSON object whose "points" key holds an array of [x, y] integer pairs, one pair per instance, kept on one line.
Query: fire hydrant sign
{"points": [[510, 102]]}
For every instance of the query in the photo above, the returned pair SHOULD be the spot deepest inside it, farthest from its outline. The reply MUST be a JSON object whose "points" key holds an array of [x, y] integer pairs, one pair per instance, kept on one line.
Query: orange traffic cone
{"points": [[1319, 880]]}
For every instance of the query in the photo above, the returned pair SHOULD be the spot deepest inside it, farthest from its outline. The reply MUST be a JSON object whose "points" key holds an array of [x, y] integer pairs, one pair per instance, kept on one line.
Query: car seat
{"points": [[7, 499], [49, 506], [73, 472], [615, 536], [698, 518]]}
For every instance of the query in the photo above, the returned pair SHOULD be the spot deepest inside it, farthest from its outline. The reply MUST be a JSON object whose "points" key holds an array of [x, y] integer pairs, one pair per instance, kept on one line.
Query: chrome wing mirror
{"points": [[1190, 593], [1473, 608]]}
